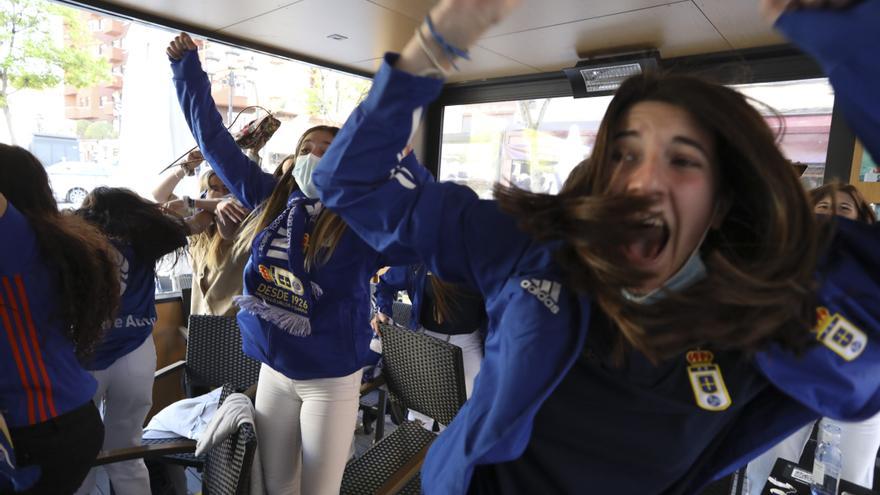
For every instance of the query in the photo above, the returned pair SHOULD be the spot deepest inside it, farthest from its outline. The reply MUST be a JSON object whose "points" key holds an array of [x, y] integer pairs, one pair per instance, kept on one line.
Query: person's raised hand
{"points": [[377, 319], [179, 46], [230, 213]]}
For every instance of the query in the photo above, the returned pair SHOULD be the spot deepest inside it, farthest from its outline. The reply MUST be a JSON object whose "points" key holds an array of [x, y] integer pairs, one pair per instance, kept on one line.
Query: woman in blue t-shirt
{"points": [[124, 362], [649, 325], [58, 285], [305, 311]]}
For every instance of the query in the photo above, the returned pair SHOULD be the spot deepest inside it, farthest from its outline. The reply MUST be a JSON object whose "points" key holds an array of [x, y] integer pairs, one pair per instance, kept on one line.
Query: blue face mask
{"points": [[302, 173], [690, 273]]}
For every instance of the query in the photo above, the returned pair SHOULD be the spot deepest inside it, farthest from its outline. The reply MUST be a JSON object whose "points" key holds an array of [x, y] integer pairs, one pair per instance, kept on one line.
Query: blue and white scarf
{"points": [[280, 289]]}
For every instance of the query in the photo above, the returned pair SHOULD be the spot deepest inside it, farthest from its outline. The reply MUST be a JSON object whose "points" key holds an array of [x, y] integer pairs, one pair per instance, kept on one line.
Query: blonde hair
{"points": [[209, 244]]}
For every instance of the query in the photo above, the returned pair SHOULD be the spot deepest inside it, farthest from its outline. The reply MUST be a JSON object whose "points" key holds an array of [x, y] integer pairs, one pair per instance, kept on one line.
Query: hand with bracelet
{"points": [[449, 29]]}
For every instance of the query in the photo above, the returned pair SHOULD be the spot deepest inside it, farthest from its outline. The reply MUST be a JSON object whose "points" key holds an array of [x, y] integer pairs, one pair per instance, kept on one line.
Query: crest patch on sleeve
{"points": [[839, 334]]}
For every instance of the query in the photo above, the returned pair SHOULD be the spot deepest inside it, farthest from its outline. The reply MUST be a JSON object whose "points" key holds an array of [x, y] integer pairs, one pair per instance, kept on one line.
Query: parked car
{"points": [[72, 181]]}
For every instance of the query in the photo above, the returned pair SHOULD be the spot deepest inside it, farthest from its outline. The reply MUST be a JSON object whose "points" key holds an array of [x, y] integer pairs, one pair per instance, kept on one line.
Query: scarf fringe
{"points": [[291, 323]]}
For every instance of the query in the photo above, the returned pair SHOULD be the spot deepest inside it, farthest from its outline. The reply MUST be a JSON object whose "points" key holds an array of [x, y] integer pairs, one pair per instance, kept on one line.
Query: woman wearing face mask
{"points": [[859, 441], [305, 312], [650, 325]]}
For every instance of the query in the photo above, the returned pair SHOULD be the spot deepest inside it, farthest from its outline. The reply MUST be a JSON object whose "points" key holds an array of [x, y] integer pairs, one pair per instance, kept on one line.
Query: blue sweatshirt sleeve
{"points": [[845, 43], [250, 184], [838, 377], [458, 236], [396, 279]]}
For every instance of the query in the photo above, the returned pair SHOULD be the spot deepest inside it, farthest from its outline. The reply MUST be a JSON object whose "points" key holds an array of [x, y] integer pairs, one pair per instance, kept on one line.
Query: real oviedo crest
{"points": [[707, 382]]}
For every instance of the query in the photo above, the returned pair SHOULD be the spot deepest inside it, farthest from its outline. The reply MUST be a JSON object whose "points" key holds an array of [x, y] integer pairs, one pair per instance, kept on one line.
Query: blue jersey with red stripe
{"points": [[40, 376]]}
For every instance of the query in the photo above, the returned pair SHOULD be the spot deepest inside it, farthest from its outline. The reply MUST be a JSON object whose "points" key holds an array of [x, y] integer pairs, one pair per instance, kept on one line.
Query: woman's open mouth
{"points": [[649, 242]]}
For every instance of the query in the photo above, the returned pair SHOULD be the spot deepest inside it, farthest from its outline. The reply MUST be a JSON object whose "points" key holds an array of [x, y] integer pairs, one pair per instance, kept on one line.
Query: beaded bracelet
{"points": [[449, 49]]}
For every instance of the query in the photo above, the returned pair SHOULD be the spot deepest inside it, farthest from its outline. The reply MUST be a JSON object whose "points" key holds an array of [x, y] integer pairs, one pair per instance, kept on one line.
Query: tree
{"points": [[32, 58], [332, 95]]}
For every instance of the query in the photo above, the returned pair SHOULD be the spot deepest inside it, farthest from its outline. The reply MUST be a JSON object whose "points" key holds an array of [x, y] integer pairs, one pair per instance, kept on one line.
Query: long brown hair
{"points": [[760, 261], [82, 262], [329, 227], [863, 208]]}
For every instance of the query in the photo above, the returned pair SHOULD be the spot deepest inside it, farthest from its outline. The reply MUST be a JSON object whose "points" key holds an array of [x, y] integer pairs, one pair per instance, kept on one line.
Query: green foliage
{"points": [[99, 130], [33, 56], [332, 95]]}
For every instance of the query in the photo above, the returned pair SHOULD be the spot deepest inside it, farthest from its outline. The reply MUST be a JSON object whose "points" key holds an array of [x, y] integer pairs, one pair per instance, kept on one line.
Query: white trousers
{"points": [[471, 345], [859, 443], [124, 396], [305, 429]]}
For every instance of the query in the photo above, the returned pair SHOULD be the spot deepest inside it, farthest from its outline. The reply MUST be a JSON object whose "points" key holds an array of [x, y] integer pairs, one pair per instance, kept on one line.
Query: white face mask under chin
{"points": [[302, 173], [692, 271]]}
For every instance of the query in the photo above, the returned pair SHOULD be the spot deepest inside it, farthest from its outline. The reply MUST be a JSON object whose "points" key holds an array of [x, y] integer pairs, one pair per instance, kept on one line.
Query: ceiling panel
{"points": [[540, 35], [485, 64], [208, 14], [739, 22], [303, 28], [675, 29], [533, 14]]}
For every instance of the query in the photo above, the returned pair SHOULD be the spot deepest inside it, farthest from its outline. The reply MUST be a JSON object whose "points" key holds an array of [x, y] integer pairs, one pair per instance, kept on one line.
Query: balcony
{"points": [[113, 55], [113, 27], [115, 82], [220, 93]]}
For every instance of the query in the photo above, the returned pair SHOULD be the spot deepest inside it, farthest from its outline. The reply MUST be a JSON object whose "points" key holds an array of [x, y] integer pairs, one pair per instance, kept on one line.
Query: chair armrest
{"points": [[373, 385], [167, 370], [144, 452], [405, 474]]}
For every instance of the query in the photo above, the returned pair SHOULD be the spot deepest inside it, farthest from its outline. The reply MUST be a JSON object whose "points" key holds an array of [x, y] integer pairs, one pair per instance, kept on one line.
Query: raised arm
{"points": [[838, 376], [844, 42], [389, 203], [247, 181]]}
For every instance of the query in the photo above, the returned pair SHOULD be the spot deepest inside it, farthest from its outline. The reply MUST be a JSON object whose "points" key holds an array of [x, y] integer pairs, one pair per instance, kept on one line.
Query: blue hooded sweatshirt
{"points": [[538, 327]]}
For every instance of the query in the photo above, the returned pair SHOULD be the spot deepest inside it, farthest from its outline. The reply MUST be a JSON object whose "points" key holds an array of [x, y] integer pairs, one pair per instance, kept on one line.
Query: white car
{"points": [[73, 181]]}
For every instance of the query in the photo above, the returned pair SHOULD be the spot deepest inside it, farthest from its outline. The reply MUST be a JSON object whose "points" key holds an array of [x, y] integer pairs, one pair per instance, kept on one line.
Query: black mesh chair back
{"points": [[401, 313], [370, 471], [423, 373], [214, 356], [228, 465]]}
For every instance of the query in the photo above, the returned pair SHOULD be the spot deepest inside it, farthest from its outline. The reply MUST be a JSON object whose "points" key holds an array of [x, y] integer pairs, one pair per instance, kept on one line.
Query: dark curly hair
{"points": [[123, 215]]}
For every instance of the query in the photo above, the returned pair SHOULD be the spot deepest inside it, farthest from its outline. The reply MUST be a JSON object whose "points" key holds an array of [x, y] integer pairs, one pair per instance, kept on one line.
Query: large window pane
{"points": [[534, 144], [112, 117]]}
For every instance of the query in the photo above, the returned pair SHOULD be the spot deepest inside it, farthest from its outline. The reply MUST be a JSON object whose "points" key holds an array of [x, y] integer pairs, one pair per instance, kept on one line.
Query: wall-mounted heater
{"points": [[602, 74]]}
